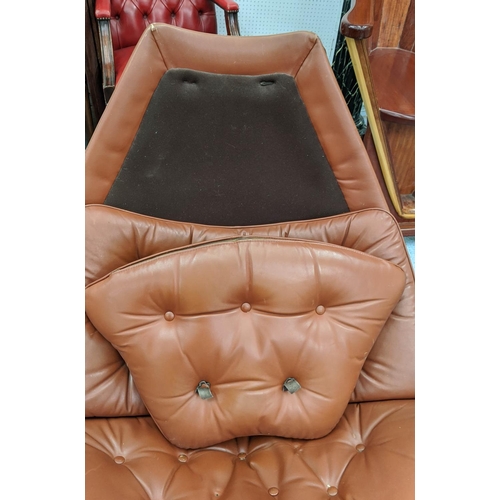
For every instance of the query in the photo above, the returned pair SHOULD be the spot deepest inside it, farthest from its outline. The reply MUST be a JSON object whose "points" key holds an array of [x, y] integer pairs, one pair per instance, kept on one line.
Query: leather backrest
{"points": [[246, 336], [129, 18], [299, 55], [115, 238]]}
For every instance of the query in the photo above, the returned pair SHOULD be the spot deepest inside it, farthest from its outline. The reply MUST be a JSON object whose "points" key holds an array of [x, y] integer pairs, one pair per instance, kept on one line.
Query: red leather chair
{"points": [[122, 22]]}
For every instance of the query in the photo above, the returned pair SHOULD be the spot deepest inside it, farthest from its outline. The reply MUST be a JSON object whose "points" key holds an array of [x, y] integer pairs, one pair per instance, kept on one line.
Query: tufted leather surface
{"points": [[116, 237], [246, 314], [368, 456], [129, 18]]}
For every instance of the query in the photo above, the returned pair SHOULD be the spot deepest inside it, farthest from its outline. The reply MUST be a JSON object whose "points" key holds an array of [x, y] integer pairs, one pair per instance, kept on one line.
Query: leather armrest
{"points": [[231, 10], [358, 21], [227, 5], [103, 9]]}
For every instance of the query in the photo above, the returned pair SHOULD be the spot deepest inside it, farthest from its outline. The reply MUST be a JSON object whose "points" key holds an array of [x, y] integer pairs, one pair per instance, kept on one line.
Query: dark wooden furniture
{"points": [[380, 35]]}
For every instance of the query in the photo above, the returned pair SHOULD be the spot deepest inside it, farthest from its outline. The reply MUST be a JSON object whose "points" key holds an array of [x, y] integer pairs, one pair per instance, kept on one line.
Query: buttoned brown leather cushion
{"points": [[115, 237], [370, 455], [246, 314]]}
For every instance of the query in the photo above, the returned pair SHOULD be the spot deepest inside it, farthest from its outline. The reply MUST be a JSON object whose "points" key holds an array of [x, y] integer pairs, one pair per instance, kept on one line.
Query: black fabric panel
{"points": [[226, 150]]}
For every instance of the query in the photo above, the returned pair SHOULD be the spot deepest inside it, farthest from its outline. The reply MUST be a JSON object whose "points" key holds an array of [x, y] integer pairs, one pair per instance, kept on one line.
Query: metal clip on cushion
{"points": [[203, 390], [291, 385]]}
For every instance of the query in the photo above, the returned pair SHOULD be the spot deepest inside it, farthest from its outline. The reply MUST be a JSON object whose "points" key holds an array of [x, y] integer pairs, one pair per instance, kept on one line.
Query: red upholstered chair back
{"points": [[129, 18], [122, 23]]}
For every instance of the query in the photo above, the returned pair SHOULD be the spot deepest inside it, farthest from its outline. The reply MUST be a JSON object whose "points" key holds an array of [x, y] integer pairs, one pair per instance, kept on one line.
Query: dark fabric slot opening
{"points": [[227, 150]]}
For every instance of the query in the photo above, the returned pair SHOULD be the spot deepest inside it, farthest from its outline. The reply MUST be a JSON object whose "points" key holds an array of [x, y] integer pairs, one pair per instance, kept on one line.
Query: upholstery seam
{"points": [[231, 241], [153, 31], [153, 5], [305, 58]]}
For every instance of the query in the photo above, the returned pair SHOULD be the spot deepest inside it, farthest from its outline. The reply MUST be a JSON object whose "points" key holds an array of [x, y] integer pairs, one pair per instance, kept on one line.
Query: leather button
{"points": [[360, 447], [169, 315], [273, 492], [119, 460], [320, 310], [332, 491], [182, 458], [245, 307], [242, 456], [144, 16], [117, 17], [203, 390], [291, 385]]}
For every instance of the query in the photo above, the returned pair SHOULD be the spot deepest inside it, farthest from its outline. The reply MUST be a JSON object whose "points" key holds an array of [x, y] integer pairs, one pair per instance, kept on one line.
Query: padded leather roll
{"points": [[237, 319]]}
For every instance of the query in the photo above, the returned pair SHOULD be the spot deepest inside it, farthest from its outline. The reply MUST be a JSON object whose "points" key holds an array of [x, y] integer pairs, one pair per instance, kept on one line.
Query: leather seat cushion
{"points": [[368, 456], [251, 317]]}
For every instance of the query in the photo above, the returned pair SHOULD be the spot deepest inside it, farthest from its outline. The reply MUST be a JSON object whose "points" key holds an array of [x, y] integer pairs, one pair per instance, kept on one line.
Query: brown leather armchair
{"points": [[122, 22], [380, 35], [249, 297]]}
